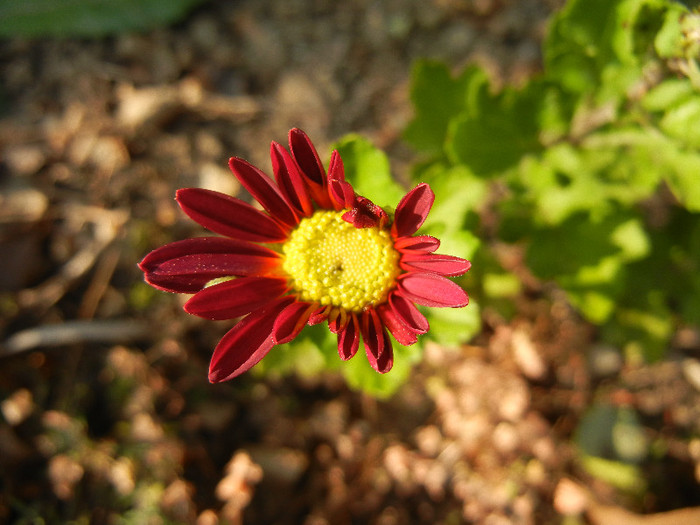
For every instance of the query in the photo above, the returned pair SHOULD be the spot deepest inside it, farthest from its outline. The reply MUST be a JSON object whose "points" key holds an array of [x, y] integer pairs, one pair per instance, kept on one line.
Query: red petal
{"points": [[319, 315], [365, 214], [422, 243], [290, 180], [336, 171], [337, 320], [408, 313], [186, 266], [349, 338], [263, 190], [308, 160], [235, 298], [246, 343], [398, 329], [377, 343], [290, 321], [412, 210], [436, 263], [229, 216], [430, 289], [341, 193]]}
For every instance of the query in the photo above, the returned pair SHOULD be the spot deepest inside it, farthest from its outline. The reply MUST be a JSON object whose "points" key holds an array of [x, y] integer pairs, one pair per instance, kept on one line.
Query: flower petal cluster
{"points": [[243, 271]]}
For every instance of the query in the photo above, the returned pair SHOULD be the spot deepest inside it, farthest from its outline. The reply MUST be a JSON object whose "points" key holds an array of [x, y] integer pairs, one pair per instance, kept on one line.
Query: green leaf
{"points": [[632, 240], [500, 134], [367, 169], [312, 352], [681, 122], [668, 93], [682, 178], [437, 97], [453, 326], [669, 41], [575, 243], [578, 42], [361, 376], [87, 18]]}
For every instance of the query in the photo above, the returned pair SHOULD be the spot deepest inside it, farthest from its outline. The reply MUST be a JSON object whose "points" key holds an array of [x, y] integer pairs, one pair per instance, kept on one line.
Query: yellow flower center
{"points": [[331, 262]]}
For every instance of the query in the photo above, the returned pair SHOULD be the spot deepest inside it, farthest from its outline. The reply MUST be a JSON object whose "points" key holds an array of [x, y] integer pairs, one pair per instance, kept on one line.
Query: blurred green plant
{"points": [[592, 167], [87, 18]]}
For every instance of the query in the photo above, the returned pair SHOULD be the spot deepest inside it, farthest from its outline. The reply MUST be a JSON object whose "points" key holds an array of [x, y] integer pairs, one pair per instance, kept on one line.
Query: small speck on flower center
{"points": [[331, 262]]}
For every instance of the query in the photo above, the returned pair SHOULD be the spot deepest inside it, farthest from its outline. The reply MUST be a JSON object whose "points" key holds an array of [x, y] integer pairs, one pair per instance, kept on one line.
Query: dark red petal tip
{"points": [[306, 157], [378, 348], [413, 210], [290, 180], [349, 338], [263, 189]]}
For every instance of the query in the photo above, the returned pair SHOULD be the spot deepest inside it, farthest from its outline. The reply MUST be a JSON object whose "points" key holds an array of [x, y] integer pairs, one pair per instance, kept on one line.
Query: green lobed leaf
{"points": [[683, 175], [87, 18], [359, 374], [504, 129], [681, 122], [669, 41], [453, 326], [437, 97], [669, 93], [578, 42]]}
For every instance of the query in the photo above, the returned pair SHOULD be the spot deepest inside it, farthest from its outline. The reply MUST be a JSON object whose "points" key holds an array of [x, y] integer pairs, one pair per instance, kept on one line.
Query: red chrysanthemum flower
{"points": [[320, 253]]}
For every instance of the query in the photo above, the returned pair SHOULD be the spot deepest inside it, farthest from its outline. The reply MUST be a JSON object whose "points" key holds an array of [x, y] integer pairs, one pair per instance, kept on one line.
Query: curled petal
{"points": [[290, 321], [365, 214], [412, 210], [336, 170], [430, 289], [398, 329], [308, 160], [341, 193], [290, 180], [408, 314], [319, 315], [436, 263], [235, 298], [263, 190], [349, 338], [420, 243], [186, 266], [337, 320], [229, 216], [246, 343], [380, 353]]}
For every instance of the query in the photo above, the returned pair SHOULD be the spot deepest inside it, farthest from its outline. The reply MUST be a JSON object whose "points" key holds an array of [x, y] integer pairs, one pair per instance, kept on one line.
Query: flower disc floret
{"points": [[331, 262]]}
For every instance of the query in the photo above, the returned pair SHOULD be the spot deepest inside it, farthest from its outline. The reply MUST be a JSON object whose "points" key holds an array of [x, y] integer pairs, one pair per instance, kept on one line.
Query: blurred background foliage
{"points": [[591, 167], [87, 18]]}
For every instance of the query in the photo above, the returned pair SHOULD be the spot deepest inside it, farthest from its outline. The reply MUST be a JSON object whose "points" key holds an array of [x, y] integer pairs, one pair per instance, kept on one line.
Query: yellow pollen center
{"points": [[331, 262]]}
